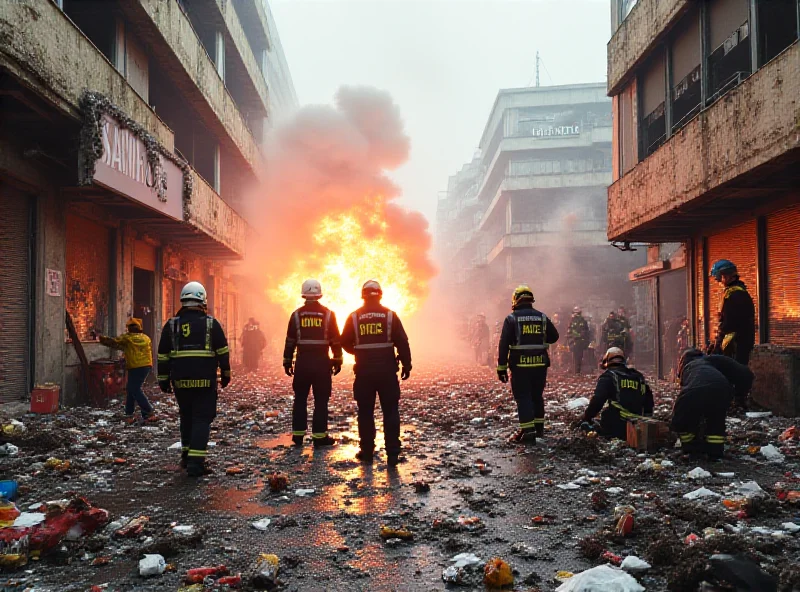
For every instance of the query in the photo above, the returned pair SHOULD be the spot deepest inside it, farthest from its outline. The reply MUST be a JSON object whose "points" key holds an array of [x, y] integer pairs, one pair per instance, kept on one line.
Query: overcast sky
{"points": [[443, 61]]}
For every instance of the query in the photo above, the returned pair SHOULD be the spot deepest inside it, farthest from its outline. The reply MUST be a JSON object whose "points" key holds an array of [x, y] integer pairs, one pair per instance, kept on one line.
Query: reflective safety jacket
{"points": [[525, 339], [312, 331], [136, 347], [192, 347], [371, 334], [578, 331], [628, 396], [614, 333], [737, 320]]}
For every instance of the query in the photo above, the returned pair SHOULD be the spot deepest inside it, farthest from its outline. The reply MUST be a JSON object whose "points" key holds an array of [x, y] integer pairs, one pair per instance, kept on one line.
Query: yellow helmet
{"points": [[522, 293]]}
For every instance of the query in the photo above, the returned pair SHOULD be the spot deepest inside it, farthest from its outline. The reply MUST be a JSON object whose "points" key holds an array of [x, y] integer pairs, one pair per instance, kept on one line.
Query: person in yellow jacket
{"points": [[138, 351]]}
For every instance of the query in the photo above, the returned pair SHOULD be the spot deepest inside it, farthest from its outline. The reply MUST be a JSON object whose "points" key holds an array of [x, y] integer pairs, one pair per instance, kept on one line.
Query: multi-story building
{"points": [[129, 132], [706, 150], [531, 206]]}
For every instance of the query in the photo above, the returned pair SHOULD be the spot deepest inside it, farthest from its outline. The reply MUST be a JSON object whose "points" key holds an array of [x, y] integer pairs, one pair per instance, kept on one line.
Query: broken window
{"points": [[652, 126], [627, 128], [729, 60], [685, 54], [777, 27]]}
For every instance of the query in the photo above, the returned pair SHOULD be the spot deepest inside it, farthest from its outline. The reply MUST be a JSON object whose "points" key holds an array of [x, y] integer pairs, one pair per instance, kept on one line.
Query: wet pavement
{"points": [[545, 509]]}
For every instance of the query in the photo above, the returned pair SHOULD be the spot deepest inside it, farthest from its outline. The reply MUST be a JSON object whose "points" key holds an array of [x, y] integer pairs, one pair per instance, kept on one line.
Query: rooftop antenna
{"points": [[537, 68]]}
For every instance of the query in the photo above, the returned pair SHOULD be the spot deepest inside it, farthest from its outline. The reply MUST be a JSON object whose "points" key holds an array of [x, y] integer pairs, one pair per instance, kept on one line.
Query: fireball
{"points": [[347, 249]]}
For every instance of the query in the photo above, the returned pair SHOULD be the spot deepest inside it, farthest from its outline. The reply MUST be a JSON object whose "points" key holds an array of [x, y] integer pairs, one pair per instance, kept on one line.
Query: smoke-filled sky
{"points": [[442, 61]]}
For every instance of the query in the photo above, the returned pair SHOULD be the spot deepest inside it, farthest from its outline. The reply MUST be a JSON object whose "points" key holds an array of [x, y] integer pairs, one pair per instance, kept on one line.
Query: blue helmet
{"points": [[720, 267]]}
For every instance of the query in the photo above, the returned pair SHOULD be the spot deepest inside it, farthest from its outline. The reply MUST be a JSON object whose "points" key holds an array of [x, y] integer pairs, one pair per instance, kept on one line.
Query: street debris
{"points": [[603, 578], [497, 573], [152, 565]]}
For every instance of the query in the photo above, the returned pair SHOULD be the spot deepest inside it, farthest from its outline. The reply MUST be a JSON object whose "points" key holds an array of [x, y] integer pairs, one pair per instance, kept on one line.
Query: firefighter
{"points": [[707, 385], [312, 330], [480, 339], [625, 390], [578, 332], [192, 346], [526, 337], [137, 348], [736, 332], [253, 344], [371, 334], [612, 333]]}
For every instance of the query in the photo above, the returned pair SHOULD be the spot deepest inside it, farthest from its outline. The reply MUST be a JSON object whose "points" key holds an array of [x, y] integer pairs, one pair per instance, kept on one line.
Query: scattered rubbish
{"points": [[396, 533], [624, 525], [792, 433], [421, 486], [611, 558], [304, 492], [726, 475], [743, 573], [230, 581], [524, 550], [261, 524], [700, 493], [465, 559], [278, 482], [497, 573], [790, 527], [28, 519], [578, 403], [471, 522], [568, 486], [152, 565], [647, 434], [698, 473], [14, 428], [266, 576], [56, 464], [183, 530], [748, 489], [563, 576], [133, 528], [772, 454], [8, 489], [453, 575], [691, 539], [8, 449], [603, 578], [758, 414], [633, 564], [615, 490], [198, 574], [8, 513]]}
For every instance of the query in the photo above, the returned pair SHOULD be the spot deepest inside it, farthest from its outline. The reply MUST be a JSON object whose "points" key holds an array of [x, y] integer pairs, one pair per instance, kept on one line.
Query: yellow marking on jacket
{"points": [[370, 329]]}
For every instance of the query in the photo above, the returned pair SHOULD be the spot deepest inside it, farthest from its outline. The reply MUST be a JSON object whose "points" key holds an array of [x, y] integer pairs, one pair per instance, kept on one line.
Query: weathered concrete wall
{"points": [[174, 26], [777, 383], [751, 125], [643, 28], [212, 216], [40, 44]]}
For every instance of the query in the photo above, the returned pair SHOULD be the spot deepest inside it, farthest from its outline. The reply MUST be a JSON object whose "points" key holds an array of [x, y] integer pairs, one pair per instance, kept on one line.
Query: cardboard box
{"points": [[646, 435]]}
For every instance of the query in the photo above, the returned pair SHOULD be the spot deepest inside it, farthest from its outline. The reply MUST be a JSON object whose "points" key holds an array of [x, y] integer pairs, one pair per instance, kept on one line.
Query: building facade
{"points": [[129, 133], [531, 206], [706, 149]]}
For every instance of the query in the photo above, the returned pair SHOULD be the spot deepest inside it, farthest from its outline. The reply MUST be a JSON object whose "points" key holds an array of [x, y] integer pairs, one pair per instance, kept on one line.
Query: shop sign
{"points": [[125, 169], [53, 282], [556, 131]]}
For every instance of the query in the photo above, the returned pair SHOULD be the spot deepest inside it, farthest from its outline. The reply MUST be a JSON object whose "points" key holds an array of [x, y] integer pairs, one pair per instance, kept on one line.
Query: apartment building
{"points": [[129, 132], [706, 148]]}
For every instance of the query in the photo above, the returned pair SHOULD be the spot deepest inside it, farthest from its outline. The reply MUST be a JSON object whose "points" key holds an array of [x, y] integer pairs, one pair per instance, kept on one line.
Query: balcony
{"points": [[588, 234], [742, 150]]}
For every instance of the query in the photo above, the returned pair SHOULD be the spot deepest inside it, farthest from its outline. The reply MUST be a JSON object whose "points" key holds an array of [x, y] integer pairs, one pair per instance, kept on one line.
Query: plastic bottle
{"points": [[8, 513]]}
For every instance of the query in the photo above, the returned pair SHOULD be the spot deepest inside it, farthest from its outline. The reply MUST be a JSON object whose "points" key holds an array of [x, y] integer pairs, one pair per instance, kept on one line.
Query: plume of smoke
{"points": [[328, 160]]}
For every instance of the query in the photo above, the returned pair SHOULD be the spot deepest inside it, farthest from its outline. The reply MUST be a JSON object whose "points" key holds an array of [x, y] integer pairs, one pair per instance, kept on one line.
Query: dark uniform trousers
{"points": [[387, 389], [317, 378], [697, 406], [577, 357], [527, 385], [197, 408]]}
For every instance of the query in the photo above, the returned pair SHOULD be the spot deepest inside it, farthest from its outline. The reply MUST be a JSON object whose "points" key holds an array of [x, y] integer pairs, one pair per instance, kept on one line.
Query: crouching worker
{"points": [[708, 385], [138, 351], [627, 393]]}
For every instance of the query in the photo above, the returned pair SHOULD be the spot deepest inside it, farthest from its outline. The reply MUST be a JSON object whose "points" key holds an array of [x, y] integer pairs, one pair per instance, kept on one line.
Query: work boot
{"points": [[298, 440], [365, 456], [523, 437], [326, 441], [184, 460], [130, 419], [540, 430], [198, 469], [394, 459]]}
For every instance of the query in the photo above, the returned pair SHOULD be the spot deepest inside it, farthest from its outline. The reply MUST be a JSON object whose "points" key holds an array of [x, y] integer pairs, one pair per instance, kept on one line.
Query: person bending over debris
{"points": [[627, 393], [708, 384]]}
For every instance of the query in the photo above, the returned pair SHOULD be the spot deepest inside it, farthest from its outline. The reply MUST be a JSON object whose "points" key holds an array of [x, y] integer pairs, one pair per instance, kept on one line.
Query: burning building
{"points": [[531, 207], [130, 131], [706, 150]]}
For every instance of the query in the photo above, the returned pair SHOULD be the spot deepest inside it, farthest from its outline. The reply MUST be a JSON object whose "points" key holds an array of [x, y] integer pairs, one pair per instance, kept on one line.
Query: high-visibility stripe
{"points": [[687, 437], [715, 439], [319, 435], [373, 345], [539, 420], [223, 350], [193, 383], [184, 449], [502, 368], [198, 453], [162, 377], [527, 424], [299, 433], [191, 354], [532, 346], [163, 357], [531, 366], [312, 342], [624, 413]]}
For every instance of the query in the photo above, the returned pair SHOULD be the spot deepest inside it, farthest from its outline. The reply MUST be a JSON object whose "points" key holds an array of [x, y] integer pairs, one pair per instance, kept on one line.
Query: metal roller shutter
{"points": [[699, 304], [14, 295], [738, 244], [783, 265]]}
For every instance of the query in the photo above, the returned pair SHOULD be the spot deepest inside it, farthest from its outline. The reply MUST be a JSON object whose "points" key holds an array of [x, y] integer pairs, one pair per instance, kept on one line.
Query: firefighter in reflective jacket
{"points": [[192, 347], [627, 393], [526, 336], [371, 334], [312, 330]]}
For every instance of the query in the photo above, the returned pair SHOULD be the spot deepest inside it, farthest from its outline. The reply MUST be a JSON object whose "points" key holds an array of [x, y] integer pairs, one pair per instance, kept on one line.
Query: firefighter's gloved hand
{"points": [[336, 367], [289, 370], [225, 381], [405, 373], [502, 375], [165, 386]]}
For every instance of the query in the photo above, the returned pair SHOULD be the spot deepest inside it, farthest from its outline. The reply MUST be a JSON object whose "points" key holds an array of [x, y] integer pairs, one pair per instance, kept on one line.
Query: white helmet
{"points": [[613, 353], [194, 293], [371, 288], [312, 290]]}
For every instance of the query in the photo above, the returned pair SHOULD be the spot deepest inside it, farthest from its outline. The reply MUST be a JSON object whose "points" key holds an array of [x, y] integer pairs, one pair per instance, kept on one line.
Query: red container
{"points": [[44, 398], [106, 381]]}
